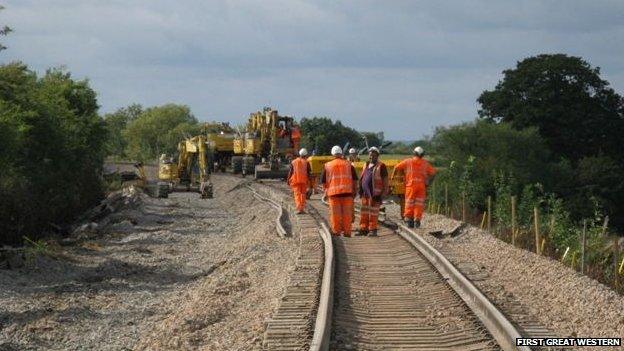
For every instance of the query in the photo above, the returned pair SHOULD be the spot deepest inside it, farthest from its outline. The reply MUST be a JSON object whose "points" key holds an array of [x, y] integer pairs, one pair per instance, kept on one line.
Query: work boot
{"points": [[373, 232], [417, 223], [362, 232], [409, 222]]}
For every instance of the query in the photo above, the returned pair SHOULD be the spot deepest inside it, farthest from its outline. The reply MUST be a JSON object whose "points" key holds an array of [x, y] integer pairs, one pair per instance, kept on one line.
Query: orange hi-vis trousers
{"points": [[415, 201], [299, 192], [369, 213], [340, 214]]}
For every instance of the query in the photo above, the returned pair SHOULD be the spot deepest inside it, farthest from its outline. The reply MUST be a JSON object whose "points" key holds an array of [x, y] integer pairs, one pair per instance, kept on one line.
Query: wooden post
{"points": [[583, 245], [537, 233], [489, 214], [434, 197], [616, 254], [604, 225], [513, 220], [565, 254], [446, 204], [483, 220], [463, 206]]}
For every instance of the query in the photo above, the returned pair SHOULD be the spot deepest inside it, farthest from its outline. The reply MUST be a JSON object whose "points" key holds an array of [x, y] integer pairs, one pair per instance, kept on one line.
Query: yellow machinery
{"points": [[192, 171], [222, 146], [397, 186], [269, 140]]}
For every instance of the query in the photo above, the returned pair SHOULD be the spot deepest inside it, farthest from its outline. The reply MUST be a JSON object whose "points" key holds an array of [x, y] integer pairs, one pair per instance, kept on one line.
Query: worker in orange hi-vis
{"points": [[299, 179], [373, 187], [418, 174], [353, 158], [340, 185]]}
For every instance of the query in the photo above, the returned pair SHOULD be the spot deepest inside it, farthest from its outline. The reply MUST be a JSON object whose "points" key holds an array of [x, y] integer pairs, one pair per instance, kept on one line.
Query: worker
{"points": [[374, 186], [295, 136], [418, 173], [299, 179], [353, 156], [340, 185]]}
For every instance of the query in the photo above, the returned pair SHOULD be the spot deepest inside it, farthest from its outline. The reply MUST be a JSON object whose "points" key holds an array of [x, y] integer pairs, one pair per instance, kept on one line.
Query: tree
{"points": [[492, 149], [564, 97], [51, 150], [158, 130], [321, 133], [4, 31], [116, 122]]}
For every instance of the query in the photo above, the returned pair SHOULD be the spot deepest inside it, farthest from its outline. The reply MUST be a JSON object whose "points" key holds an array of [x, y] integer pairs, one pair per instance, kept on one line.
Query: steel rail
{"points": [[280, 211], [492, 318], [322, 326]]}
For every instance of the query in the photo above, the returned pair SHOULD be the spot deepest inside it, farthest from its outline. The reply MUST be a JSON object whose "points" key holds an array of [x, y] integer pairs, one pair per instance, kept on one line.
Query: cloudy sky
{"points": [[401, 67]]}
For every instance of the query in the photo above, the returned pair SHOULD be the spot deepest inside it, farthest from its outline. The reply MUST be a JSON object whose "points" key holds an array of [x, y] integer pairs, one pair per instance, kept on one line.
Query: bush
{"points": [[51, 150]]}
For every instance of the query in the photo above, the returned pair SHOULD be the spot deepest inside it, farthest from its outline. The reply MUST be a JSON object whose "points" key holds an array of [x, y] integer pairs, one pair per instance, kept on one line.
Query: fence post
{"points": [[446, 204], [513, 220], [616, 254], [463, 206], [434, 202], [537, 233], [489, 214], [604, 225], [583, 245]]}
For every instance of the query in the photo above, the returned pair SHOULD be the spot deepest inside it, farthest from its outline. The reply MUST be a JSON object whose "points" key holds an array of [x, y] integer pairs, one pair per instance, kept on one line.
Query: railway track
{"points": [[392, 292]]}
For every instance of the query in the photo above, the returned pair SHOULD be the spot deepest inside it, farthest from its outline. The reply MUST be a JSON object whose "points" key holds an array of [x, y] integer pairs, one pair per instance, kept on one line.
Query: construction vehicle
{"points": [[192, 170], [238, 149], [270, 140], [222, 144]]}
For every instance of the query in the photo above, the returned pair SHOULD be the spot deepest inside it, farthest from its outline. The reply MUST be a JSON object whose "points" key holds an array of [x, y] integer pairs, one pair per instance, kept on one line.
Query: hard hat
{"points": [[303, 152], [352, 151], [373, 149], [419, 150], [336, 150]]}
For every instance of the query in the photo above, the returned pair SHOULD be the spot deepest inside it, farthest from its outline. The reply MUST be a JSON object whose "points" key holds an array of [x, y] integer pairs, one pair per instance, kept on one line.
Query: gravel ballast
{"points": [[177, 273]]}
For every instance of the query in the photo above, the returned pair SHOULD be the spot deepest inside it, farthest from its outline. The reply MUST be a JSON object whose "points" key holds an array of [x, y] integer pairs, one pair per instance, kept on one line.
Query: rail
{"points": [[322, 326], [496, 323], [279, 226]]}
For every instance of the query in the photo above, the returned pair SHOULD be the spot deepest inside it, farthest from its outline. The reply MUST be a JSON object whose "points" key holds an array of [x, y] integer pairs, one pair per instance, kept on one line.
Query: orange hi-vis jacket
{"points": [[378, 184], [339, 179], [417, 170], [299, 172]]}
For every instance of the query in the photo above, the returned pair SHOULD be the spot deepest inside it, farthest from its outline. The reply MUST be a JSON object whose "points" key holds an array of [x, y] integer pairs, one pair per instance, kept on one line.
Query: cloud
{"points": [[402, 67]]}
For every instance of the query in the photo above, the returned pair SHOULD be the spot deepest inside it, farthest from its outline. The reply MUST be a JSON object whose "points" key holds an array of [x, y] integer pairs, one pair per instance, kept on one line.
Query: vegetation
{"points": [[548, 135], [321, 133], [158, 130], [51, 150]]}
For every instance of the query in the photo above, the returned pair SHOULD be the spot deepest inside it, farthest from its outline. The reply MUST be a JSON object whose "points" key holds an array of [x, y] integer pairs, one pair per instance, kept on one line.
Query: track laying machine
{"points": [[266, 145]]}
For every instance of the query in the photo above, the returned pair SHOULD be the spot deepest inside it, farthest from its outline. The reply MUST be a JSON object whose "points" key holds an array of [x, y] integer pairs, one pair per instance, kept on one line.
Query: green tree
{"points": [[495, 148], [51, 150], [321, 133], [564, 97], [116, 122], [158, 130]]}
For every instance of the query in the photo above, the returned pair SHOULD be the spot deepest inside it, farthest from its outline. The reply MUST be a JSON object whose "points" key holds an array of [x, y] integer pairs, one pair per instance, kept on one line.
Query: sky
{"points": [[398, 67]]}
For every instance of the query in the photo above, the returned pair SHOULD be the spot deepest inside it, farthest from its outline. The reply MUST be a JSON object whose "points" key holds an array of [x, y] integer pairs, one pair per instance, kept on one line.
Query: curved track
{"points": [[391, 293]]}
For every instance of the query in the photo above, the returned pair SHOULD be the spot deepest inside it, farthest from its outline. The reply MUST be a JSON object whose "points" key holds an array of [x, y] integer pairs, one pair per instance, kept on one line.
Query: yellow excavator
{"points": [[267, 143], [192, 170]]}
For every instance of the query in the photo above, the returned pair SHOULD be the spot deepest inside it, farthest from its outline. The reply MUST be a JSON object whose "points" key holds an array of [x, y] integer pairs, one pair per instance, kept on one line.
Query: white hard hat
{"points": [[419, 150], [373, 149], [303, 152], [336, 150], [352, 151]]}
